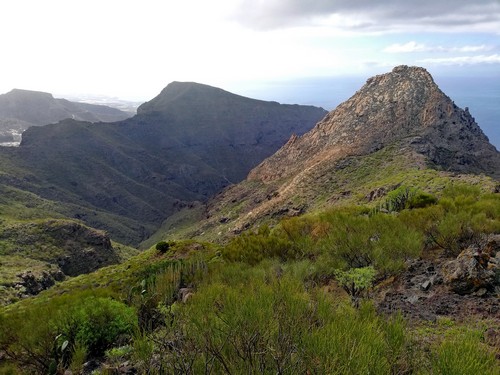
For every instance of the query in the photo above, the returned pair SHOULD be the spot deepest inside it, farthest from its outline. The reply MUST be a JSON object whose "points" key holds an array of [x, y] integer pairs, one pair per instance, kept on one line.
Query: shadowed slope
{"points": [[183, 146]]}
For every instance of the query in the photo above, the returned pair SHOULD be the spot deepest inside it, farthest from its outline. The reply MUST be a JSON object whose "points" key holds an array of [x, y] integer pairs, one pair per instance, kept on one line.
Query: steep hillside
{"points": [[403, 105], [20, 109], [35, 254], [398, 128], [127, 177]]}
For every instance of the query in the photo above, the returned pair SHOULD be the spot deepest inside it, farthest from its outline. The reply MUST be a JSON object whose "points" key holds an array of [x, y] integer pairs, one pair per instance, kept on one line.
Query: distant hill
{"points": [[398, 128], [127, 177], [20, 109]]}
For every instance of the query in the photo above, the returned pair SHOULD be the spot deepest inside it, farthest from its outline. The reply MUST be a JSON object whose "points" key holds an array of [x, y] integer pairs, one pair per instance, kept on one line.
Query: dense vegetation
{"points": [[292, 299]]}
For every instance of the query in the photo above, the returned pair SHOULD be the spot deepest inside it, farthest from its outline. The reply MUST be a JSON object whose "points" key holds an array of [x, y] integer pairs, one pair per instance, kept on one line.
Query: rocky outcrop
{"points": [[31, 284], [400, 119], [422, 293], [461, 287], [73, 247], [476, 269], [403, 105]]}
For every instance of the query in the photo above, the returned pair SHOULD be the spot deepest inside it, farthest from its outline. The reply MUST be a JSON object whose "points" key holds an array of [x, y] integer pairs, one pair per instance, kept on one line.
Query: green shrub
{"points": [[406, 198], [253, 247], [78, 358], [464, 354], [380, 240], [162, 247], [44, 337], [354, 341], [356, 281], [421, 200], [98, 322]]}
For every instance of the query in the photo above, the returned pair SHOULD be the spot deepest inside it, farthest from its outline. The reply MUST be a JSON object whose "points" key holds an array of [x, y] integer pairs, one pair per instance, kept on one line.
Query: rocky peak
{"points": [[404, 105]]}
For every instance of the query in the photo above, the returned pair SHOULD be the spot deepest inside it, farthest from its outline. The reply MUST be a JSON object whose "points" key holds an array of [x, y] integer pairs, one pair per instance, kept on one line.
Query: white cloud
{"points": [[406, 47], [463, 60], [372, 16], [413, 46], [481, 47]]}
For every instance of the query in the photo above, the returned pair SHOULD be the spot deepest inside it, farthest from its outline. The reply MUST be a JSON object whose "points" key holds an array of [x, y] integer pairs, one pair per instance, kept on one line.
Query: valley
{"points": [[273, 238]]}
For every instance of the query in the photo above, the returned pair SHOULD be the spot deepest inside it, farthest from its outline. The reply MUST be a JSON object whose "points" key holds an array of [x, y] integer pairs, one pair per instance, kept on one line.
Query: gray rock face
{"points": [[404, 106]]}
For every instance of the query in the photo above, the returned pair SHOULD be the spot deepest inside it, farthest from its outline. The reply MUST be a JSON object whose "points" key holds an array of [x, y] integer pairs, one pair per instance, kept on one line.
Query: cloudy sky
{"points": [[131, 49]]}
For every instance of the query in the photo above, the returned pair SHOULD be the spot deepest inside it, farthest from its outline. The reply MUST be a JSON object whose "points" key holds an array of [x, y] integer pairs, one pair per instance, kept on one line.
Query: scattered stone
{"points": [[428, 316], [187, 297], [375, 194], [413, 299], [425, 286], [185, 294], [481, 292], [90, 366], [492, 337]]}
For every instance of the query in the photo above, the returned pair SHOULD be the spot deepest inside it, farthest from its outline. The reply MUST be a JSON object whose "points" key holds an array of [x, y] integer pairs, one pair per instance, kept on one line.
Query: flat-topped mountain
{"points": [[20, 109], [127, 177]]}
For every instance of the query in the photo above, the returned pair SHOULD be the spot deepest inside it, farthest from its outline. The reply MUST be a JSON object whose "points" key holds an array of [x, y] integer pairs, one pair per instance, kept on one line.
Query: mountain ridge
{"points": [[21, 109], [149, 166], [397, 126]]}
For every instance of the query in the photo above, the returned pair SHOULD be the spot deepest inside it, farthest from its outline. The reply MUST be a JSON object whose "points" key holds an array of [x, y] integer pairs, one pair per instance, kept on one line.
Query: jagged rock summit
{"points": [[404, 106], [395, 127]]}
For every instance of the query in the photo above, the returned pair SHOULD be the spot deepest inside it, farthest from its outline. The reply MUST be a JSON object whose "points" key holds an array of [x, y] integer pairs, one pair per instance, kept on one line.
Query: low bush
{"points": [[162, 247], [253, 247], [44, 337], [464, 354], [382, 241]]}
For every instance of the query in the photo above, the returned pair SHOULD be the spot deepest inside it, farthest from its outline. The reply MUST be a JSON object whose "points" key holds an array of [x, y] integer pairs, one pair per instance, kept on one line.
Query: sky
{"points": [[131, 49]]}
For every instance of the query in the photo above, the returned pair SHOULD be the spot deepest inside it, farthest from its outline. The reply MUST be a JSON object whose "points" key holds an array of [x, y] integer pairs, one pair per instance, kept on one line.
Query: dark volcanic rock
{"points": [[406, 294], [32, 284]]}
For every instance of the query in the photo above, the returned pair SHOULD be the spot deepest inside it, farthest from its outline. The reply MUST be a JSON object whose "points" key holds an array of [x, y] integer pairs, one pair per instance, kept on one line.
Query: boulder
{"points": [[475, 268]]}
